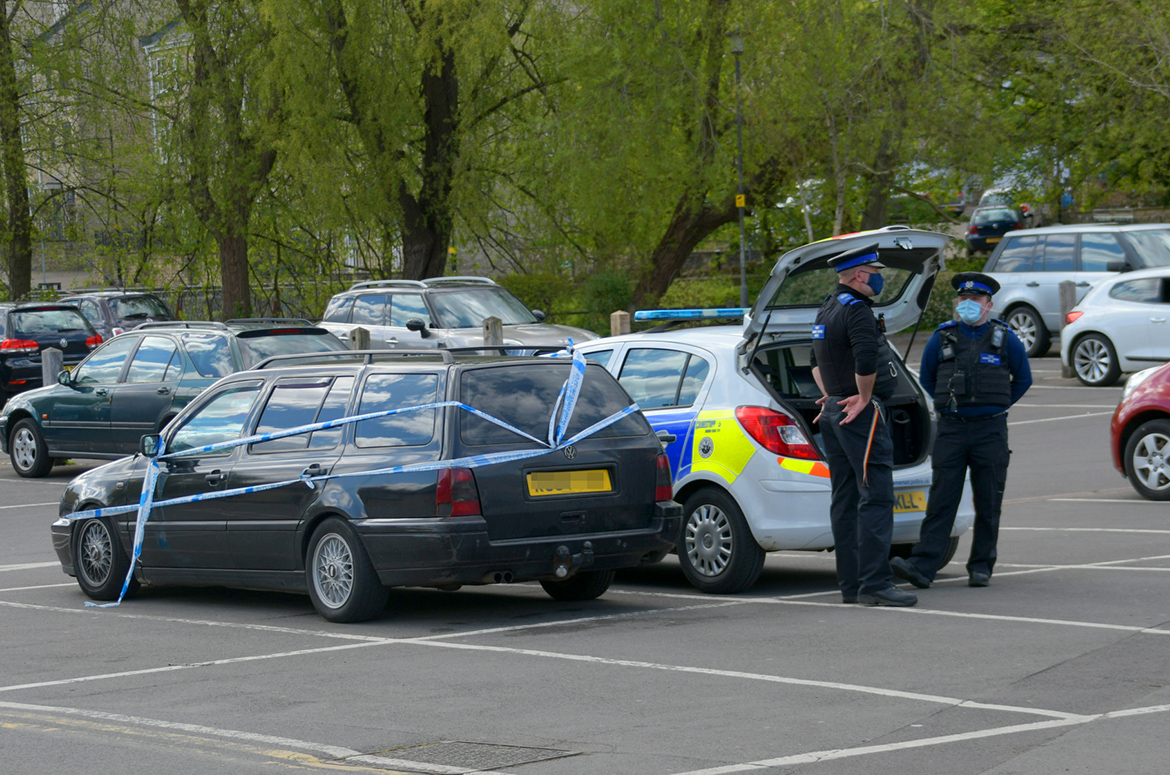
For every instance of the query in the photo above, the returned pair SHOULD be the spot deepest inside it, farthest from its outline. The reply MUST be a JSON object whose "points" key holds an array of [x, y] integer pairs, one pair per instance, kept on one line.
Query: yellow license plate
{"points": [[914, 500], [568, 482], [993, 240]]}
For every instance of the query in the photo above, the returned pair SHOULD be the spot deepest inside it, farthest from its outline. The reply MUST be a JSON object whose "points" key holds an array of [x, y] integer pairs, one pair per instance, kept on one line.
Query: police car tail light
{"points": [[663, 487], [19, 347], [778, 433], [93, 341], [457, 494]]}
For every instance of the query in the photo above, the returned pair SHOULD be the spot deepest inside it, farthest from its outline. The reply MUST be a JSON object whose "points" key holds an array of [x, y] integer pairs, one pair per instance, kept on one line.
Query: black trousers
{"points": [[982, 446], [862, 510]]}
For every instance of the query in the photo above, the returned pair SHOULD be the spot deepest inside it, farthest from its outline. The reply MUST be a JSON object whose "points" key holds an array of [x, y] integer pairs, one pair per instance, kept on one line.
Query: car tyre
{"points": [[1095, 361], [1146, 464], [342, 582], [583, 585], [99, 561], [716, 548], [905, 550], [1030, 330], [27, 450]]}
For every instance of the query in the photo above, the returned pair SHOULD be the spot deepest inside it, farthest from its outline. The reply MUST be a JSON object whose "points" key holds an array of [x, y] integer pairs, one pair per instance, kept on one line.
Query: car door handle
{"points": [[315, 470], [1083, 285], [666, 437], [392, 340], [1033, 285], [163, 391], [1157, 320], [215, 477], [101, 392]]}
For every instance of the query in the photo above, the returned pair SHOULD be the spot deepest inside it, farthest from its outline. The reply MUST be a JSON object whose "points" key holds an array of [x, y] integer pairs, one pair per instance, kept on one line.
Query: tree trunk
{"points": [[14, 170], [691, 224], [233, 273]]}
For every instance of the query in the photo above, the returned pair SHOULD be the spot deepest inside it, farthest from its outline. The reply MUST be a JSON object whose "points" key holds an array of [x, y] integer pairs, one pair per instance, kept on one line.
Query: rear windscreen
{"points": [[1152, 246], [258, 347], [139, 307], [45, 322], [524, 395], [1004, 215]]}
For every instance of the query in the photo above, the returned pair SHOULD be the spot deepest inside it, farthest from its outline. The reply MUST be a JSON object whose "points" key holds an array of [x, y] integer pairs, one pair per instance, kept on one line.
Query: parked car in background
{"points": [[567, 519], [136, 383], [1140, 433], [1008, 197], [443, 312], [989, 224], [28, 328], [1030, 264], [1120, 325], [112, 312], [735, 405]]}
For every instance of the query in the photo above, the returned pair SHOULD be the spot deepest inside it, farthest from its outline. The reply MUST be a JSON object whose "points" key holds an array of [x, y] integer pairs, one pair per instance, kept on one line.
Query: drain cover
{"points": [[472, 756]]}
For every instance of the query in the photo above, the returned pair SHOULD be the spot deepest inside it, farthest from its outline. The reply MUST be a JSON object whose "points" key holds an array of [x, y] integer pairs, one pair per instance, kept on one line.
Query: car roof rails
{"points": [[213, 324], [267, 321], [386, 283], [459, 279], [109, 291], [365, 356]]}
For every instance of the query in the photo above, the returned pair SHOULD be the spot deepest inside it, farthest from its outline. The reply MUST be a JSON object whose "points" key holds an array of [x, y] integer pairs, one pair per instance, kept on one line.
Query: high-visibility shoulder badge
{"points": [[991, 358], [818, 332]]}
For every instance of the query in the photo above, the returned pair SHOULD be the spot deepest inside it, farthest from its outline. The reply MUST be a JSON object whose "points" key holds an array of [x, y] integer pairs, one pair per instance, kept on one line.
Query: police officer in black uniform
{"points": [[853, 367], [975, 368]]}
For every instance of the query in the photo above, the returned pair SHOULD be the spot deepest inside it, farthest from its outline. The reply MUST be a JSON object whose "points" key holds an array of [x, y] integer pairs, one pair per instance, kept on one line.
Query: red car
{"points": [[1140, 433]]}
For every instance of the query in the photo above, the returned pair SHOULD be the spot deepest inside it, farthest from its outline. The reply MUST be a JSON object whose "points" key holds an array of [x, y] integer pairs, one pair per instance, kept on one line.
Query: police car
{"points": [[734, 405]]}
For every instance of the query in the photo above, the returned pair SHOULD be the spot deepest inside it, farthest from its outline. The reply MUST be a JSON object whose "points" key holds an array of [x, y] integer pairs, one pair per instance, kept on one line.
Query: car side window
{"points": [[152, 361], [91, 311], [601, 356], [332, 409], [1147, 291], [1097, 250], [1059, 253], [652, 377], [338, 310], [408, 306], [104, 366], [369, 310], [383, 392], [1016, 255], [220, 419], [294, 401], [211, 354], [693, 379]]}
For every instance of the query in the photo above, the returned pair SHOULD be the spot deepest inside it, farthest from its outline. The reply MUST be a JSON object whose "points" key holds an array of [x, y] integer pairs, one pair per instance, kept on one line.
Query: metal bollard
{"points": [[619, 323], [493, 332], [52, 361], [359, 338]]}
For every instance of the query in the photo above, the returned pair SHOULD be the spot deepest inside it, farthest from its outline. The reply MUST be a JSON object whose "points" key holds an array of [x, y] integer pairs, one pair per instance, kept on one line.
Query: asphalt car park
{"points": [[1058, 667]]}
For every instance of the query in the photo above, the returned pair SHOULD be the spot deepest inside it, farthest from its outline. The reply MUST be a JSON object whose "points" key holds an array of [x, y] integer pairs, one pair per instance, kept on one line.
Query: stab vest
{"points": [[835, 355], [973, 372]]}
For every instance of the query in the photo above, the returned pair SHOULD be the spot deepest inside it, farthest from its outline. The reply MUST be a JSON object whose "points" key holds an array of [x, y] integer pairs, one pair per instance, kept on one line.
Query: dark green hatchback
{"points": [[135, 383]]}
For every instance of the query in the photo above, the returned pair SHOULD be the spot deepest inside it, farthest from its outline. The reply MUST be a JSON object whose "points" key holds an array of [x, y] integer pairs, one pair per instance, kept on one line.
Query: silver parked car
{"points": [[1030, 264], [443, 312]]}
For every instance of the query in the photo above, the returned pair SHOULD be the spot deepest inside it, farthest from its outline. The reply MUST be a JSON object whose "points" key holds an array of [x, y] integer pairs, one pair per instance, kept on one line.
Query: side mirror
{"points": [[150, 445], [419, 327], [1118, 266], [539, 315], [64, 378]]}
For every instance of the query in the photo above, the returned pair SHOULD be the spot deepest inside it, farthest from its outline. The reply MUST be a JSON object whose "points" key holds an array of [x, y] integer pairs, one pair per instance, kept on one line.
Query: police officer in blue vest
{"points": [[853, 367], [975, 368]]}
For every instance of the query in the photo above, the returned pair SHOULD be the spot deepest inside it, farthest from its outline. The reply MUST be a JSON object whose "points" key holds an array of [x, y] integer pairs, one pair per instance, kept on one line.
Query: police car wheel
{"points": [[716, 548], [583, 585], [342, 582], [1030, 330], [99, 561], [1095, 361], [1147, 460]]}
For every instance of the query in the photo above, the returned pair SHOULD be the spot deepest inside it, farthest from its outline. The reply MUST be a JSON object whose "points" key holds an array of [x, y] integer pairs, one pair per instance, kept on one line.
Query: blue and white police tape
{"points": [[558, 423]]}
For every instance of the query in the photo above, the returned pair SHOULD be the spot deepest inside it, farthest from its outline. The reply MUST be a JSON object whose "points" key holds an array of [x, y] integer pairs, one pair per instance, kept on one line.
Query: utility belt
{"points": [[956, 418]]}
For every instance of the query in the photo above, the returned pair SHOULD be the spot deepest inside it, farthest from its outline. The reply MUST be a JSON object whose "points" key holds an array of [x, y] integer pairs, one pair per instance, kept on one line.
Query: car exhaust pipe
{"points": [[498, 577]]}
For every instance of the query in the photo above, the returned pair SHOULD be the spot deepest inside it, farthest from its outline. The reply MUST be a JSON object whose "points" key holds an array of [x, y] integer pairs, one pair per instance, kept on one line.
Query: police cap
{"points": [[867, 255], [974, 284]]}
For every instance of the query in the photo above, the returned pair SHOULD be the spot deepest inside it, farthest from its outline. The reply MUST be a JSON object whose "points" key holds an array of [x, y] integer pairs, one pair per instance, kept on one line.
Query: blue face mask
{"points": [[969, 311], [875, 282]]}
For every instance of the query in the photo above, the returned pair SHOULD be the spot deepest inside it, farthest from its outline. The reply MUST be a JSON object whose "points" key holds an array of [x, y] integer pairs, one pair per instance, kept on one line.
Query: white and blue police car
{"points": [[734, 405]]}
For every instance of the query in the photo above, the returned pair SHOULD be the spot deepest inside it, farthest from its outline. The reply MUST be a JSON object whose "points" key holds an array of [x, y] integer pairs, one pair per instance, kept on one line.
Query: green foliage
{"points": [[604, 293]]}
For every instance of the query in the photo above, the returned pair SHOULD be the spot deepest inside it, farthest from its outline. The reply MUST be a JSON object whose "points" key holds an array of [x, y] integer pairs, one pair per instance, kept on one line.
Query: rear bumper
{"points": [[458, 551]]}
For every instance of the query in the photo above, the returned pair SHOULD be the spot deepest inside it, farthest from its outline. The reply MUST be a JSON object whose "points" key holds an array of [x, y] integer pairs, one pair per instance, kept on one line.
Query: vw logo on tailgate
{"points": [[570, 452]]}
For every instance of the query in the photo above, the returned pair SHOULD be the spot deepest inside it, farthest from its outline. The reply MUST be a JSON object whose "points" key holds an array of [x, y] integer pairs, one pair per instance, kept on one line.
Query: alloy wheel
{"points": [[708, 540], [1150, 463], [1025, 328], [333, 570], [24, 448], [1092, 360], [95, 553]]}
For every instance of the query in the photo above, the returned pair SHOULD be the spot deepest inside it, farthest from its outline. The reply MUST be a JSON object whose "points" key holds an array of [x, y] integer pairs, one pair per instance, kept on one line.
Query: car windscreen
{"points": [[1152, 247], [524, 395], [255, 346], [139, 307], [211, 354], [467, 307], [48, 321]]}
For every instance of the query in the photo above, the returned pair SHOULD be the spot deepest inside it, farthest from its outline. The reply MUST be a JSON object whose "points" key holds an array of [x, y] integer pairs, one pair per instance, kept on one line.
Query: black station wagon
{"points": [[567, 518]]}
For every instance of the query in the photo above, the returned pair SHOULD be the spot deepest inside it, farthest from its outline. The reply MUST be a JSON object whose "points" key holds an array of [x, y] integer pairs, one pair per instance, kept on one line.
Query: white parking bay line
{"points": [[1108, 500], [39, 586], [1088, 529], [30, 566], [1066, 417], [30, 505], [1022, 405]]}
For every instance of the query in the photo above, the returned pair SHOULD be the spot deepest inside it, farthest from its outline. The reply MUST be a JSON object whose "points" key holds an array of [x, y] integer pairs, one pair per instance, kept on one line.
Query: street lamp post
{"points": [[740, 199]]}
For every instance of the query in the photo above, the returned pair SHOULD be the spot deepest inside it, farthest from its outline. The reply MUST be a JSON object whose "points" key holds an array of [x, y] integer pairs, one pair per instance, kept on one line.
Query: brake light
{"points": [[93, 341], [1070, 317], [778, 433], [19, 346], [973, 229], [457, 495], [287, 331], [663, 486]]}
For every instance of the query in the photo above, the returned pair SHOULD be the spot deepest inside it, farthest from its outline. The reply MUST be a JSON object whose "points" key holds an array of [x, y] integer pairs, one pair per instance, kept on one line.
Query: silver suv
{"points": [[1030, 264], [443, 312]]}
